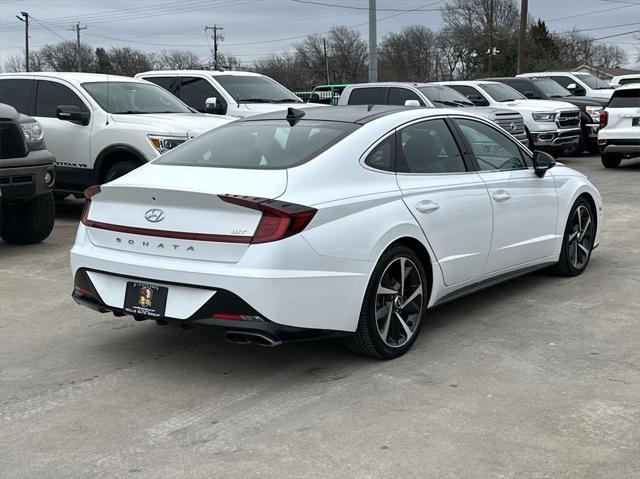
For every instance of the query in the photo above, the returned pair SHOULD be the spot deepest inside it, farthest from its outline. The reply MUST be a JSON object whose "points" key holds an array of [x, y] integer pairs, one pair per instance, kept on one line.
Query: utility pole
{"points": [[490, 37], [216, 38], [76, 28], [522, 38], [25, 19], [326, 60], [373, 43]]}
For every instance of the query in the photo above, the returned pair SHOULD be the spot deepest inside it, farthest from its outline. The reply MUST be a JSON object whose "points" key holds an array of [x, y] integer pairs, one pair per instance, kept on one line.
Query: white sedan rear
{"points": [[350, 221]]}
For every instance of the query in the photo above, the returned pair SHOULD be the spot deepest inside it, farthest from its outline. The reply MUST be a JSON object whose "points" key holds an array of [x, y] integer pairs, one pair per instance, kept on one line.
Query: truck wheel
{"points": [[28, 222], [611, 160], [578, 150], [119, 169]]}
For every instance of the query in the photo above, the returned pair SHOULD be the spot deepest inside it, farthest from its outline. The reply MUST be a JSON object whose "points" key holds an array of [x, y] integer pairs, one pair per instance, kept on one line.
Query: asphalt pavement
{"points": [[535, 378]]}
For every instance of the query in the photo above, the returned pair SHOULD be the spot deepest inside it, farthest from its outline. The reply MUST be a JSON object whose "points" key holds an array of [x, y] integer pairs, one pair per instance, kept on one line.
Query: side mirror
{"points": [[530, 94], [212, 105], [73, 113], [572, 86], [575, 89], [411, 103], [542, 162]]}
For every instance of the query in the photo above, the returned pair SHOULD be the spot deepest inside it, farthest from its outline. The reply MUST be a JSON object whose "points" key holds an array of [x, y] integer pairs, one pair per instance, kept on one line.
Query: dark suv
{"points": [[548, 89], [27, 174]]}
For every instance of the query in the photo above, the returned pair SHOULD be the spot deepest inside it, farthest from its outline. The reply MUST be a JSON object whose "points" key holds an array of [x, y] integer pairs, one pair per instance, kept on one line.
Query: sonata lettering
{"points": [[147, 244]]}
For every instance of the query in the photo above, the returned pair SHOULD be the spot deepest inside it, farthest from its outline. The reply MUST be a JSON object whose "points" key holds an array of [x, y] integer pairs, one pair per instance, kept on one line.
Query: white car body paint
{"points": [[317, 278]]}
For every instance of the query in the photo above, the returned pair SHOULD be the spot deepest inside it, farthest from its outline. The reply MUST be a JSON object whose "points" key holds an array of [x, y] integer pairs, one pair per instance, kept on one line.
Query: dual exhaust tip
{"points": [[249, 337]]}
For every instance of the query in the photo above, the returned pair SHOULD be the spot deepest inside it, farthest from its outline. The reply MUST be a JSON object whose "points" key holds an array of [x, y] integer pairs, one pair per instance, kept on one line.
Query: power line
{"points": [[47, 28], [352, 7], [616, 35], [590, 13]]}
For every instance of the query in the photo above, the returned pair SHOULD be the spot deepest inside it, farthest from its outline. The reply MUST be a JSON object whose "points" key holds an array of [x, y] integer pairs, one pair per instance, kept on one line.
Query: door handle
{"points": [[427, 207], [500, 196]]}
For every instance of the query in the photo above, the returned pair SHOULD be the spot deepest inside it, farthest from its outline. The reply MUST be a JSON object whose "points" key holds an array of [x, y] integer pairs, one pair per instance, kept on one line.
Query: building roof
{"points": [[608, 72]]}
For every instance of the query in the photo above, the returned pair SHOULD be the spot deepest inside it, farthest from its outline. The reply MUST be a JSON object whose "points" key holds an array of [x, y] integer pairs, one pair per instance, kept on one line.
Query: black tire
{"points": [[611, 160], [576, 240], [580, 147], [119, 169], [28, 222], [368, 340]]}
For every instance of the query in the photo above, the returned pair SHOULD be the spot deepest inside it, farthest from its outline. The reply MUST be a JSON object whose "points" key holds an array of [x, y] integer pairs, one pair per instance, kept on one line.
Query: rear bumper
{"points": [[627, 147]]}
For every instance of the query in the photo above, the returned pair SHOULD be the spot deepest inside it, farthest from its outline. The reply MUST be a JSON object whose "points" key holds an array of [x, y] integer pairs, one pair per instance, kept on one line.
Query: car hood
{"points": [[604, 94], [539, 105], [179, 124], [584, 101], [258, 108]]}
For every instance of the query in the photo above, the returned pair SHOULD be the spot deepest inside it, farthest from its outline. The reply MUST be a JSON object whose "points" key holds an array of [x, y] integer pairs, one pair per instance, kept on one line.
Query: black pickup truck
{"points": [[548, 89], [27, 174]]}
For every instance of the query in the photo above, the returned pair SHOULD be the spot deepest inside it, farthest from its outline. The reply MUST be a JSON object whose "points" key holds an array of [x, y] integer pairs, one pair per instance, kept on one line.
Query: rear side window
{"points": [[18, 93], [398, 96], [51, 94], [428, 147], [259, 144], [625, 99], [367, 96], [381, 157], [195, 91], [168, 83]]}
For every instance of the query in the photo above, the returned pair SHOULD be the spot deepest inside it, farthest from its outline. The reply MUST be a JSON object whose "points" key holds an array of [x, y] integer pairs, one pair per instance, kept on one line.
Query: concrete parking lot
{"points": [[536, 378]]}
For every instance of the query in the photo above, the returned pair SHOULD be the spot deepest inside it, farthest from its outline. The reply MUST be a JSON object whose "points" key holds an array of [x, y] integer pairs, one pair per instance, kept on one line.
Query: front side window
{"points": [[444, 96], [593, 81], [18, 93], [551, 88], [259, 144], [255, 89], [501, 92], [368, 96], [195, 91], [51, 94], [398, 96], [492, 150], [428, 147], [472, 94], [134, 98]]}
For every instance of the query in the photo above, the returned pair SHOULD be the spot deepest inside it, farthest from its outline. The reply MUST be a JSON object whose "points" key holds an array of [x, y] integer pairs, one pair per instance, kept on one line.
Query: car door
{"points": [[399, 96], [69, 142], [448, 200], [525, 207]]}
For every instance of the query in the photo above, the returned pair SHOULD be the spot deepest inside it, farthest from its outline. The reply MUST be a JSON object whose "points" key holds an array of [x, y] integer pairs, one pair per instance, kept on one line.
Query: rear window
{"points": [[259, 144], [625, 99], [368, 96]]}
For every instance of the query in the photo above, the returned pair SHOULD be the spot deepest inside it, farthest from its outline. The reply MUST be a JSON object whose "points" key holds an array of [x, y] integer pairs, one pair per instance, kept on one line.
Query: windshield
{"points": [[445, 96], [256, 89], [592, 81], [259, 144], [501, 92], [134, 97], [551, 88]]}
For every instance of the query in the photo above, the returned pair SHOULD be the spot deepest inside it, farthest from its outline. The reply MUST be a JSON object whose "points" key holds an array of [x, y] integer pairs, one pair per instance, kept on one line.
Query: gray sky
{"points": [[254, 28]]}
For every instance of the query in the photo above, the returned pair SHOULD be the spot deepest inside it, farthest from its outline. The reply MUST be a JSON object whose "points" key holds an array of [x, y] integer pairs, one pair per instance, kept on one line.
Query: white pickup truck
{"points": [[552, 126], [578, 83], [100, 127]]}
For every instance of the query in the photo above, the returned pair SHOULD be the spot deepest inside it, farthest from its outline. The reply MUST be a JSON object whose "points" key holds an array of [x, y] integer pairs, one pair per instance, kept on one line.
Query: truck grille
{"points": [[513, 126], [568, 119], [12, 144]]}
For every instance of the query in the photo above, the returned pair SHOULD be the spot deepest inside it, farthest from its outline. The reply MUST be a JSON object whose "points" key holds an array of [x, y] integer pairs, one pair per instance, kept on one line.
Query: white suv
{"points": [[233, 93], [552, 126], [100, 127], [578, 83], [619, 134]]}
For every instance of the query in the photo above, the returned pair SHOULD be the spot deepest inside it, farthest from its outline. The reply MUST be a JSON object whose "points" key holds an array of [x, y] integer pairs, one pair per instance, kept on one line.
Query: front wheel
{"points": [[393, 307], [577, 243], [28, 222]]}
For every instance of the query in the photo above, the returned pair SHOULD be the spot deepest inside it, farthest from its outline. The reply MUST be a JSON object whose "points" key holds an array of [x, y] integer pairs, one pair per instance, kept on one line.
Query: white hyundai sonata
{"points": [[350, 221]]}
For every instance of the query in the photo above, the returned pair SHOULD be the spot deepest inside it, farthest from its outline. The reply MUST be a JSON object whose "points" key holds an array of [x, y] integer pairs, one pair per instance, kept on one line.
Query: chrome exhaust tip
{"points": [[250, 337]]}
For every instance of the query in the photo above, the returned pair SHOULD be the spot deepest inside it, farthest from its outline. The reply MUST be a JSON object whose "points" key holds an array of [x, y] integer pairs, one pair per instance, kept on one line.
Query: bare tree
{"points": [[228, 61], [128, 61], [283, 68], [62, 57], [410, 55], [15, 63], [179, 60]]}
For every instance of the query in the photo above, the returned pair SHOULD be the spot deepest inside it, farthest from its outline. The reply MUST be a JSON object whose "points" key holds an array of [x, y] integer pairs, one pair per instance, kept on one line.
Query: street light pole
{"points": [[373, 43], [522, 38], [26, 37]]}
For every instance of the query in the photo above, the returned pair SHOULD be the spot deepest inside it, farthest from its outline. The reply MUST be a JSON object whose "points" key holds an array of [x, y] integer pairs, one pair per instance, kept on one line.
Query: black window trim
{"points": [[365, 156], [468, 150]]}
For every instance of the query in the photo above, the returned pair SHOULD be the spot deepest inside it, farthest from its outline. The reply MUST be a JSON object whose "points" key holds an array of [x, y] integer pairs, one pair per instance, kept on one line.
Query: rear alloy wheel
{"points": [[393, 307], [611, 160], [578, 240]]}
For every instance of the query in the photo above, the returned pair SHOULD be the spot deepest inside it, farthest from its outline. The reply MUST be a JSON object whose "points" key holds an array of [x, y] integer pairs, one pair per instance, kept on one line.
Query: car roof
{"points": [[388, 83], [73, 77], [465, 82], [200, 72], [359, 114]]}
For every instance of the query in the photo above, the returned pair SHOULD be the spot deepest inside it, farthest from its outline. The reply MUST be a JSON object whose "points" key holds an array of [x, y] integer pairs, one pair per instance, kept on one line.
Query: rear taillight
{"points": [[279, 218], [604, 119], [88, 194]]}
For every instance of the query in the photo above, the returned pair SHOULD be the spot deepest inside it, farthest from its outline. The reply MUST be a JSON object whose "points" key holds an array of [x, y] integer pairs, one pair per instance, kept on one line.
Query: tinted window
{"points": [[566, 81], [397, 96], [367, 96], [471, 93], [134, 97], [251, 89], [625, 99], [168, 83], [492, 149], [593, 81], [51, 94], [381, 157], [17, 93], [195, 91], [626, 81], [261, 144], [523, 87], [551, 88], [428, 147]]}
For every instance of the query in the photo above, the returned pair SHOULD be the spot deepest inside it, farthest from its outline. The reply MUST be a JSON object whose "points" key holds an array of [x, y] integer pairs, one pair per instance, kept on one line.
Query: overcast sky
{"points": [[254, 28]]}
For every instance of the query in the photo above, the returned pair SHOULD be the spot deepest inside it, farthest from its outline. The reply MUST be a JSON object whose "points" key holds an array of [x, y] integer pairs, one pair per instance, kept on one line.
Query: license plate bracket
{"points": [[145, 299]]}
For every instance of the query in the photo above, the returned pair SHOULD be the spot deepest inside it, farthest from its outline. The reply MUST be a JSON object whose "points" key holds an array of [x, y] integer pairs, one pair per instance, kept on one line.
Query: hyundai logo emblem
{"points": [[154, 215]]}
